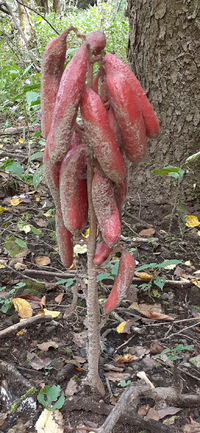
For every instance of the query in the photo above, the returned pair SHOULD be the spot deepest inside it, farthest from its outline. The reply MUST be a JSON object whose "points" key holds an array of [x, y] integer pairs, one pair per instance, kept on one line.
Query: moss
{"points": [[33, 288]]}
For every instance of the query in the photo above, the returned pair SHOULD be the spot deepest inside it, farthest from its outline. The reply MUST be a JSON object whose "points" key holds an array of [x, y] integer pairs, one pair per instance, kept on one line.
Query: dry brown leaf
{"points": [[168, 411], [152, 414], [45, 346], [79, 359], [151, 311], [33, 300], [125, 327], [58, 298], [112, 367], [37, 363], [20, 266], [72, 387], [194, 427], [122, 359], [147, 232], [50, 422], [41, 223], [42, 260], [19, 257], [156, 347], [22, 307], [117, 377], [143, 410], [43, 302], [80, 338]]}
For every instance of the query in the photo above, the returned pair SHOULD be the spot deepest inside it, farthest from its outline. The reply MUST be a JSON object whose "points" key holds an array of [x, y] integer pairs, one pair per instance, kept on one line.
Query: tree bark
{"points": [[164, 54]]}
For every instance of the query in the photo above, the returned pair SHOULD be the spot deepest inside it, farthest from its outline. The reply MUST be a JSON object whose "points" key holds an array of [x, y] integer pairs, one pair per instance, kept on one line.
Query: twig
{"points": [[130, 228], [181, 330], [48, 274], [21, 274], [24, 324], [40, 15], [72, 307]]}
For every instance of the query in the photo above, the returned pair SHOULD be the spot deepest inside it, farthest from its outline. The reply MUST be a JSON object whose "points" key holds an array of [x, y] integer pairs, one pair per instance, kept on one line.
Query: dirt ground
{"points": [[24, 364]]}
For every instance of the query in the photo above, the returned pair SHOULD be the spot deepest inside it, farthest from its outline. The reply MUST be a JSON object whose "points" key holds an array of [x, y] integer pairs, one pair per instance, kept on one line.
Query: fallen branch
{"points": [[48, 274], [9, 369], [24, 324]]}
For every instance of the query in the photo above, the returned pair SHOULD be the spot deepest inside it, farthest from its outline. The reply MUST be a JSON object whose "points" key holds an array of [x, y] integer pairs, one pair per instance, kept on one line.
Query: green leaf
{"points": [[15, 168], [69, 282], [169, 170], [170, 262], [172, 358], [35, 231], [181, 347], [61, 282], [151, 265], [37, 177], [102, 276], [21, 243], [32, 97], [115, 268], [60, 402], [165, 351], [19, 285], [36, 156], [160, 282], [192, 157]]}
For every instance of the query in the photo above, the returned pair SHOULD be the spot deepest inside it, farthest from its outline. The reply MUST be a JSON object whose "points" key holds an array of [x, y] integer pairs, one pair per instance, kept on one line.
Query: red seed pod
{"points": [[96, 40], [100, 137], [114, 125], [66, 107], [51, 174], [73, 189], [65, 241], [102, 253], [105, 208], [75, 141], [122, 283], [51, 73], [129, 116], [120, 194], [114, 64]]}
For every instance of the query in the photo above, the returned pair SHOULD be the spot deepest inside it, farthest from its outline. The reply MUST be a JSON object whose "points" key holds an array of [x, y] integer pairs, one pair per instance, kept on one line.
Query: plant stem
{"points": [[93, 313]]}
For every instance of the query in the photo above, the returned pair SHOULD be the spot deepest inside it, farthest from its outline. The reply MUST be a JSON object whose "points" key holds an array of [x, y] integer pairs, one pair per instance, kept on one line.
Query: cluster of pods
{"points": [[113, 130]]}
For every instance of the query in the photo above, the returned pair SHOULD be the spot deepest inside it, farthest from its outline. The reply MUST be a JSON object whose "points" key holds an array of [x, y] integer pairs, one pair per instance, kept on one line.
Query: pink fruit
{"points": [[65, 241]]}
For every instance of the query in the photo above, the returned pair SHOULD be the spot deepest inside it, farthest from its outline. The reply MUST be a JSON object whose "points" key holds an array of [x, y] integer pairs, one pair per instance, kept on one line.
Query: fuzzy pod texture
{"points": [[65, 241], [100, 137], [120, 192], [114, 126], [101, 253], [66, 107], [105, 208], [73, 189], [51, 73], [51, 174], [75, 141], [96, 40], [122, 283], [95, 84], [113, 64], [129, 116]]}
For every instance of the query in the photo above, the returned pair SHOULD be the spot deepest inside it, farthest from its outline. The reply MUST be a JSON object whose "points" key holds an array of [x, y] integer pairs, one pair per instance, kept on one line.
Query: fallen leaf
{"points": [[33, 300], [45, 346], [112, 367], [80, 249], [151, 311], [147, 232], [53, 314], [41, 223], [22, 307], [58, 298], [142, 375], [156, 347], [80, 359], [194, 427], [188, 263], [152, 414], [2, 261], [37, 363], [42, 260], [192, 221], [26, 228], [72, 387], [80, 338], [168, 411], [15, 201], [196, 282], [2, 209], [117, 377], [20, 266], [171, 421], [122, 359], [143, 410], [50, 422], [125, 327], [43, 302], [144, 275]]}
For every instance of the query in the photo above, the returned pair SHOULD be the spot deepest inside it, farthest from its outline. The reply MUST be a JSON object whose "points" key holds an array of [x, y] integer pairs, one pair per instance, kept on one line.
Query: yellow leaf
{"points": [[53, 314], [20, 332], [198, 232], [169, 266], [22, 307], [120, 328], [37, 198], [188, 263], [21, 140], [192, 221], [128, 357], [196, 282], [2, 209], [144, 275], [15, 201]]}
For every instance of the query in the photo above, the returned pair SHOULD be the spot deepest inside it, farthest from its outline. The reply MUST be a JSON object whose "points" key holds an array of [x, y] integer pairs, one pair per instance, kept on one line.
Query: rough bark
{"points": [[164, 54]]}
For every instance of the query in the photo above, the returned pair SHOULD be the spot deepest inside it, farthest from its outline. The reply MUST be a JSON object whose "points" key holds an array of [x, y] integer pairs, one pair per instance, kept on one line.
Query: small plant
{"points": [[177, 173], [124, 384], [52, 394], [156, 279], [6, 303], [173, 354]]}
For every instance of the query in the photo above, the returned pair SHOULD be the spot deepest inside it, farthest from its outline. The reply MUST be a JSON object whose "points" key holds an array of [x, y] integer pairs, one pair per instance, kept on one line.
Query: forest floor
{"points": [[54, 352]]}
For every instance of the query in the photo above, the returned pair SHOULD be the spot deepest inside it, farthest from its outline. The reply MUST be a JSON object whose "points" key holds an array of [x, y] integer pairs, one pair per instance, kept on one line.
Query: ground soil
{"points": [[69, 358]]}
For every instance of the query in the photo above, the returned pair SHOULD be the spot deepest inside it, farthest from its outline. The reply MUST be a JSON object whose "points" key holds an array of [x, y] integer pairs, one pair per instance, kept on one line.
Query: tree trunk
{"points": [[164, 54]]}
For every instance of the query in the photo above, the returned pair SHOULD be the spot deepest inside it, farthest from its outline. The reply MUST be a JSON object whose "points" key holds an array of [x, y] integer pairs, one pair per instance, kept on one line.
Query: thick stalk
{"points": [[93, 313]]}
